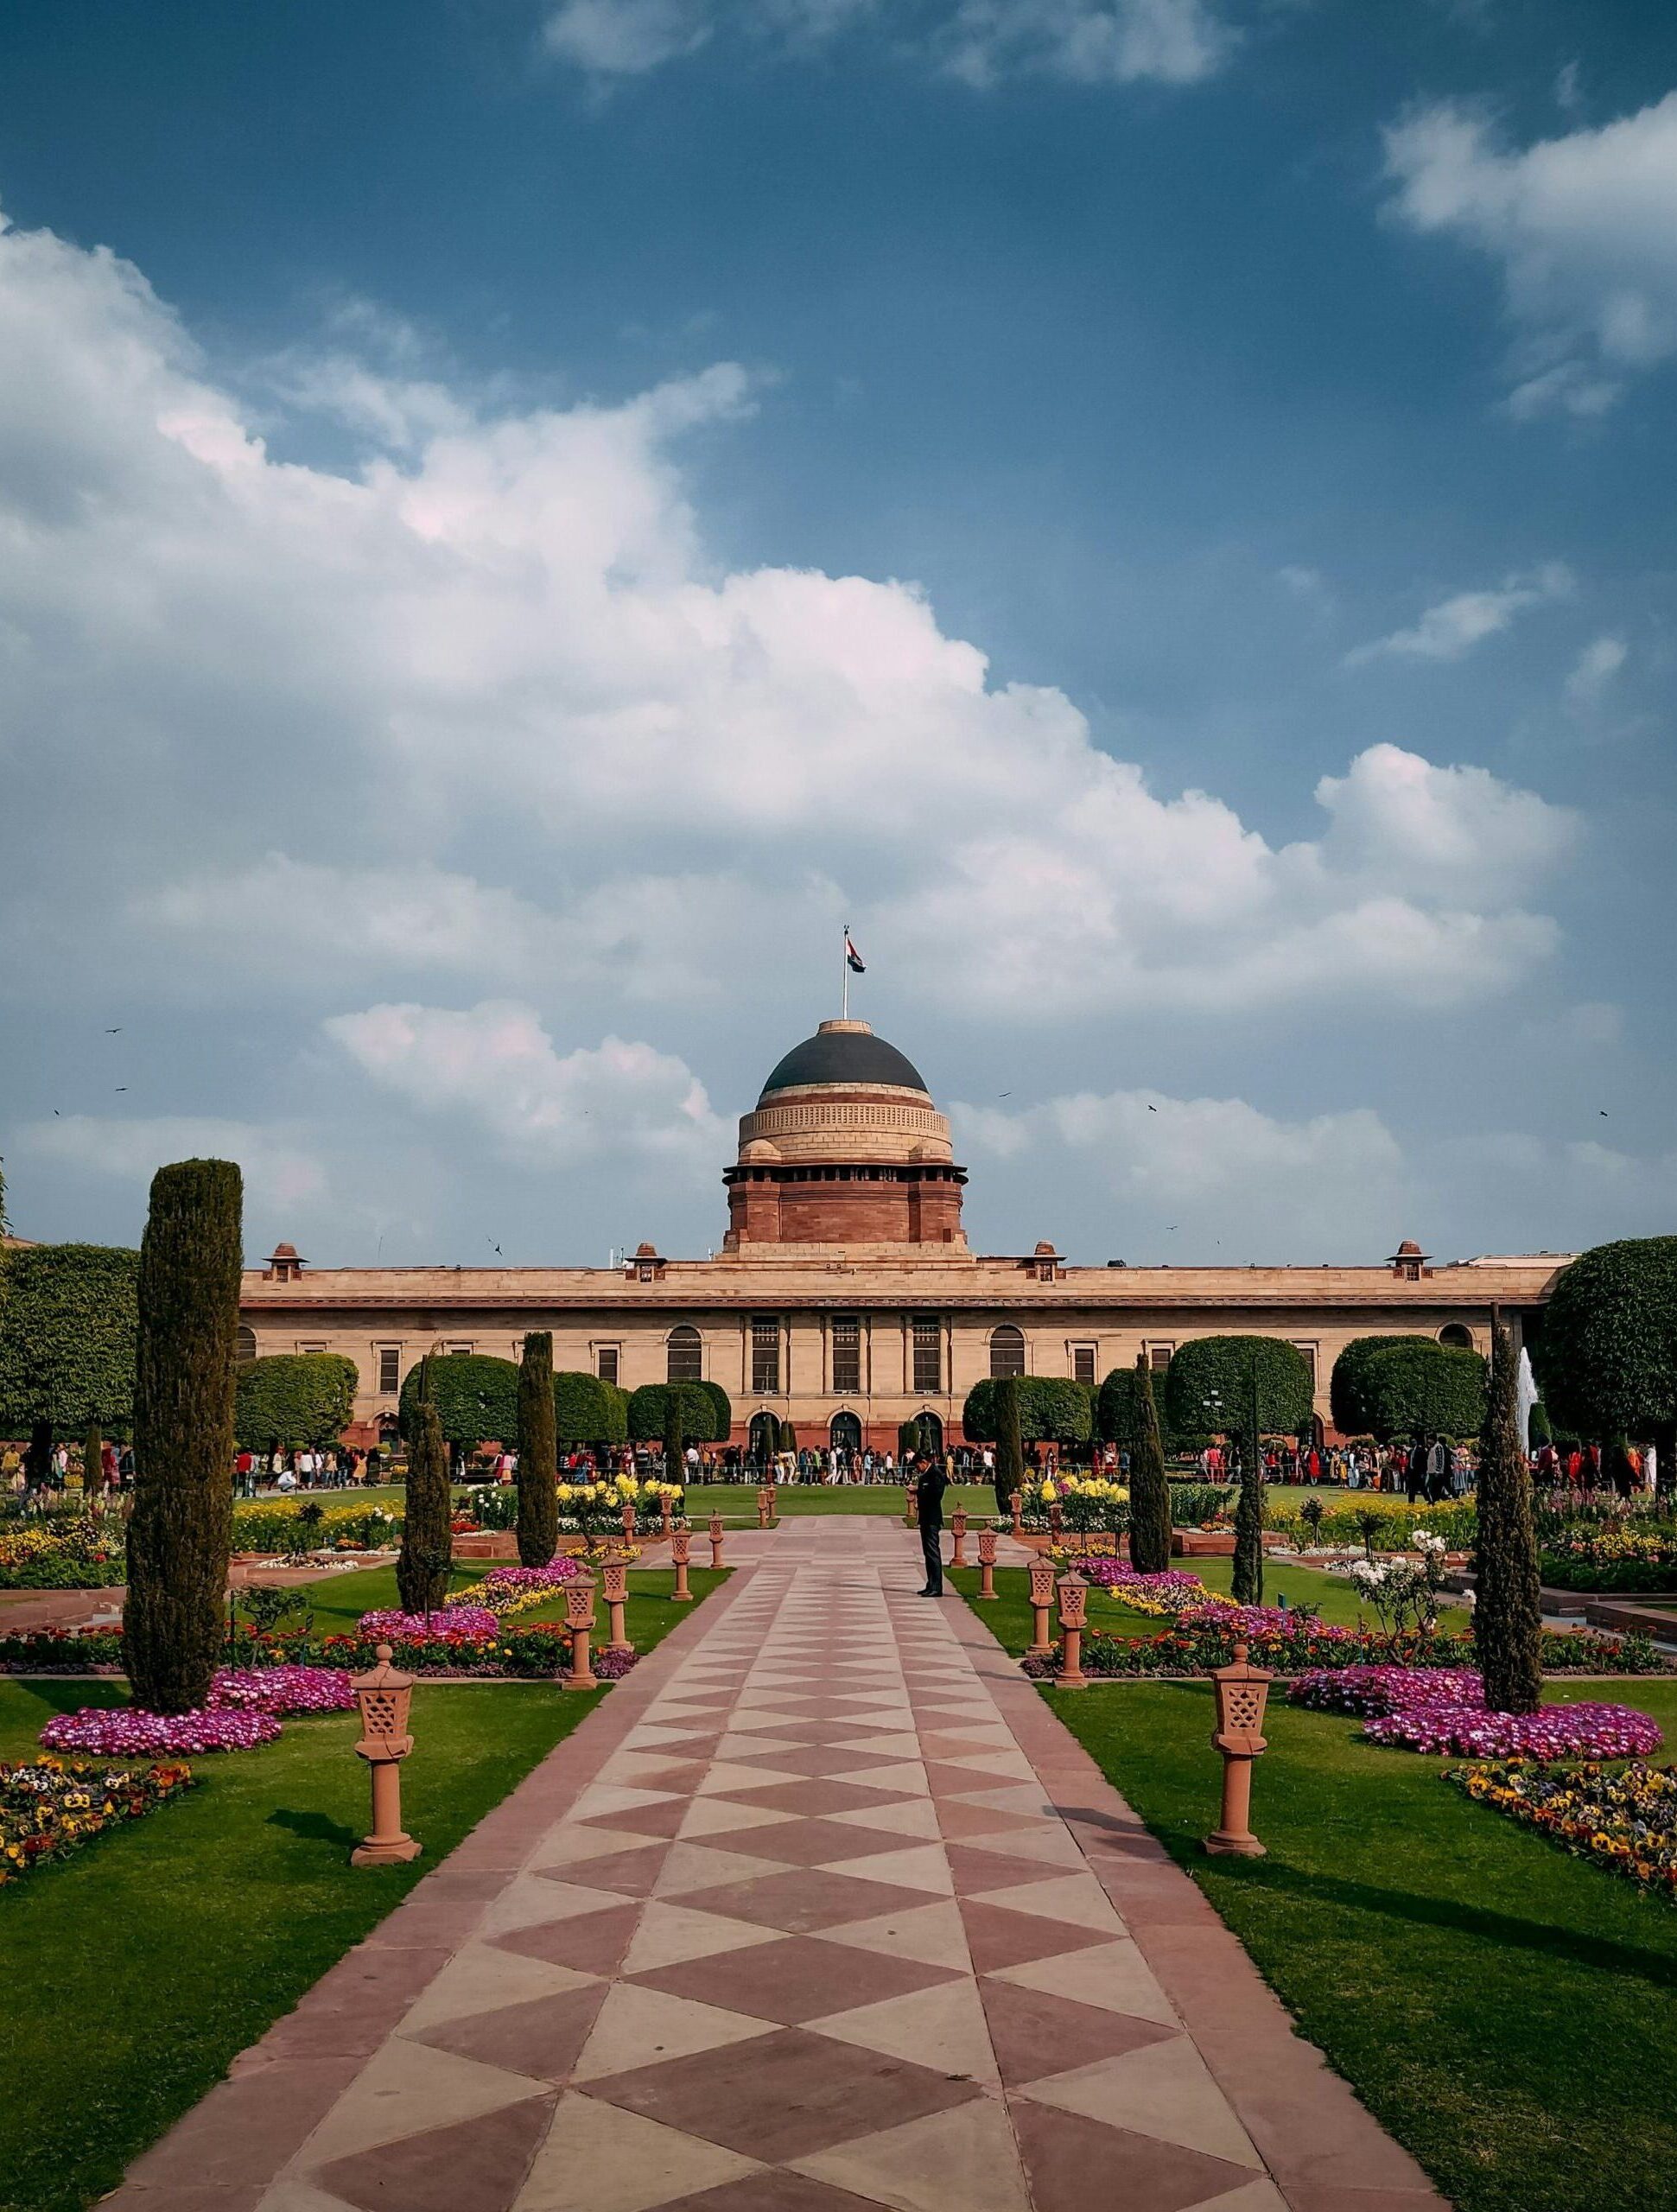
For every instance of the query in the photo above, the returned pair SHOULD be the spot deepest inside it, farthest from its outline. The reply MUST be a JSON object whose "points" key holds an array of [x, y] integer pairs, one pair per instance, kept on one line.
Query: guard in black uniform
{"points": [[929, 1483]]}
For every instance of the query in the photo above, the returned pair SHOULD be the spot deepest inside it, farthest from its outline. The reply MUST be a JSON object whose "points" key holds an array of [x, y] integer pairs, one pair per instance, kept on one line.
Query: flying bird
{"points": [[113, 1033], [1152, 1109], [122, 1086], [1602, 1110], [1004, 1094]]}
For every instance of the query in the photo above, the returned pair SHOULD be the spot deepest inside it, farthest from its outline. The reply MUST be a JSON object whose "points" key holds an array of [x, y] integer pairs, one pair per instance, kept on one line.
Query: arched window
{"points": [[1456, 1335], [1007, 1349], [246, 1350], [684, 1356]]}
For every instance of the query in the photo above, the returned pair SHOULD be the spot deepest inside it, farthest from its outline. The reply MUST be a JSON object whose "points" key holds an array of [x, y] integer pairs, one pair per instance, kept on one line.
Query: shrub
{"points": [[68, 1324], [1508, 1618], [587, 1410], [538, 1463], [1423, 1389], [179, 1532], [1212, 1381], [292, 1398], [1347, 1387], [1606, 1357], [475, 1398], [699, 1413], [1051, 1409], [422, 1570], [1150, 1522]]}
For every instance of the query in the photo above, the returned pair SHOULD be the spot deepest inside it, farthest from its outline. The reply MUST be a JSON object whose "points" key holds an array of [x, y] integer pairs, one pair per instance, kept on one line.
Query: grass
{"points": [[339, 1600], [739, 1500], [1507, 2012], [1009, 1618], [136, 1970]]}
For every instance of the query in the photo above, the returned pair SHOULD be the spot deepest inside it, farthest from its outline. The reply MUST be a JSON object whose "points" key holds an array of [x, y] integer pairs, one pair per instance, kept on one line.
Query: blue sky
{"points": [[518, 519]]}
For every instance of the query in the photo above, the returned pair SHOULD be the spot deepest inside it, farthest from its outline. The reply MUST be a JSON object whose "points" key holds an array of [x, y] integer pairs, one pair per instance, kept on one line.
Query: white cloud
{"points": [[1084, 42], [486, 710], [1449, 631], [1581, 226], [495, 1065], [279, 1173], [1596, 668]]}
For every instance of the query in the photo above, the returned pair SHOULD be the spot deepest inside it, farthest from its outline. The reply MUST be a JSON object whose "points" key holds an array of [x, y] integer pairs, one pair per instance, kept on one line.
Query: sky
{"points": [[521, 518]]}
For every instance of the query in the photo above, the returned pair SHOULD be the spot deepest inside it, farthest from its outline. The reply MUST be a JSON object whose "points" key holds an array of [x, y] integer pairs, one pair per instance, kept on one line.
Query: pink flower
{"points": [[119, 1731], [457, 1625], [282, 1689]]}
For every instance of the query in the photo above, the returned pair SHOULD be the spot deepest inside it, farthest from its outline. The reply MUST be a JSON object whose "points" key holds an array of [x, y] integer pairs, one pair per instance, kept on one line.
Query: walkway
{"points": [[820, 1910]]}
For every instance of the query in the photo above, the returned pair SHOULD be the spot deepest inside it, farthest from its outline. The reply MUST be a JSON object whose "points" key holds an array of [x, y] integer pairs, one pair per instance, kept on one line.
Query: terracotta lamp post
{"points": [[911, 1506], [1042, 1597], [764, 1506], [615, 1589], [665, 1521], [958, 1528], [680, 1542], [1074, 1600], [987, 1562], [715, 1540], [383, 1696], [628, 1524], [1054, 1520], [1016, 1503], [579, 1619], [1242, 1693]]}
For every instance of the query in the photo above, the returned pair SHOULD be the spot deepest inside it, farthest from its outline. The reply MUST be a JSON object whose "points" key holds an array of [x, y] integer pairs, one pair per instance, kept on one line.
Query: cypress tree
{"points": [[1508, 1617], [422, 1569], [92, 1461], [1009, 1443], [1247, 1582], [908, 1440], [538, 1455], [1149, 1490], [786, 1437], [674, 1437], [179, 1533]]}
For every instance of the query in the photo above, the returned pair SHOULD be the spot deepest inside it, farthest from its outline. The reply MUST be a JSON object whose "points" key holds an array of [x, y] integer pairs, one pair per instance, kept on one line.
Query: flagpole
{"points": [[844, 963]]}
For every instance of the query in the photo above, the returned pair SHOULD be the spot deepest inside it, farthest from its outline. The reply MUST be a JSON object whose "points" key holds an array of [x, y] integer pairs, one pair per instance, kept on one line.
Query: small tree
{"points": [[673, 1435], [68, 1323], [786, 1438], [1149, 1491], [1009, 1443], [179, 1533], [1421, 1389], [538, 1457], [294, 1397], [908, 1440], [1507, 1616], [701, 1418], [587, 1410], [422, 1567], [1606, 1357], [1347, 1387], [1247, 1580], [475, 1395], [93, 1462]]}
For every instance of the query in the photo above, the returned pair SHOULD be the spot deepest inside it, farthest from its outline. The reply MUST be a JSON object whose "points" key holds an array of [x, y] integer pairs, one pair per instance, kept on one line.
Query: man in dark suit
{"points": [[929, 1483]]}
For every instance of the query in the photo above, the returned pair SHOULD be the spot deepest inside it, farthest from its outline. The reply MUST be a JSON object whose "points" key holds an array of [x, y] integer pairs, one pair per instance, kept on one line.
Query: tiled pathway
{"points": [[814, 1938]]}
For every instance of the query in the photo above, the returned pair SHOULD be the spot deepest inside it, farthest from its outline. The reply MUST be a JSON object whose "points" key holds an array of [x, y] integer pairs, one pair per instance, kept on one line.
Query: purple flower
{"points": [[457, 1625], [119, 1731], [282, 1689]]}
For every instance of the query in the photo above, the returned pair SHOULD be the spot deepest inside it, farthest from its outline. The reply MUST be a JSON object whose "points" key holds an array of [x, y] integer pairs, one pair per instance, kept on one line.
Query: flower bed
{"points": [[62, 1651], [541, 1649], [291, 1527], [1626, 1822], [1204, 1636], [50, 1807], [119, 1731], [1443, 1709], [462, 1624], [281, 1690], [73, 1552], [508, 1589], [1165, 1595]]}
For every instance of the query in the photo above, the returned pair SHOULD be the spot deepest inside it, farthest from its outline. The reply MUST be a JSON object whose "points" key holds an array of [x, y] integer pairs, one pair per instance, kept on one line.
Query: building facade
{"points": [[845, 1297]]}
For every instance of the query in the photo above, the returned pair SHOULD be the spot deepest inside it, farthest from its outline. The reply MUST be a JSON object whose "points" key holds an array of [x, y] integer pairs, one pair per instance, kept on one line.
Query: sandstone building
{"points": [[845, 1297]]}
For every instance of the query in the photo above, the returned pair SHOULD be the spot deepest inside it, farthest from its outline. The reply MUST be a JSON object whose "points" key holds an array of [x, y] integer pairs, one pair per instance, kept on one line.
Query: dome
{"points": [[843, 1052]]}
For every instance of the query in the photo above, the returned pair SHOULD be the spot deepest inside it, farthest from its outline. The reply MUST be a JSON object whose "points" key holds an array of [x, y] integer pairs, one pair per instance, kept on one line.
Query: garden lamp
{"points": [[1242, 1692], [381, 1698]]}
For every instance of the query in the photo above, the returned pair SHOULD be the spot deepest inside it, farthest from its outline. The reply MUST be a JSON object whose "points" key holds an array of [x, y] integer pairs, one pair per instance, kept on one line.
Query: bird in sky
{"points": [[1004, 1094], [1602, 1110], [113, 1033], [122, 1086], [1152, 1109]]}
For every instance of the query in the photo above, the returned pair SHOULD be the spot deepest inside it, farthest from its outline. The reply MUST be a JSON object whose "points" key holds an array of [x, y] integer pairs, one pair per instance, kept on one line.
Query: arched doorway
{"points": [[930, 1427], [844, 1434], [763, 1434], [1456, 1335]]}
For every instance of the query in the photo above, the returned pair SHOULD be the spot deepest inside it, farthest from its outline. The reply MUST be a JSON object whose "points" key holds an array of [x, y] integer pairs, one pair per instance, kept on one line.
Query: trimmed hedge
{"points": [[476, 1397], [703, 1421], [1348, 1385], [1606, 1355], [294, 1397], [588, 1411], [1051, 1410], [1208, 1386], [69, 1322], [1423, 1388]]}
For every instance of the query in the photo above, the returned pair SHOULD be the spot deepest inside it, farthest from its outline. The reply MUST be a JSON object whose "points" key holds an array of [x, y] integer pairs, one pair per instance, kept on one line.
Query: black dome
{"points": [[843, 1056]]}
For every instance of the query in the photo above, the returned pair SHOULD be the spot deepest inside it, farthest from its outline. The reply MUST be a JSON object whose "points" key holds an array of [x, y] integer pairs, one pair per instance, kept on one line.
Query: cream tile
{"points": [[532, 1900], [669, 1935], [643, 2027], [692, 1866], [964, 2160], [598, 2159], [480, 1979], [1164, 2090], [404, 2089], [943, 2027], [933, 1933], [1076, 1899], [1112, 1975]]}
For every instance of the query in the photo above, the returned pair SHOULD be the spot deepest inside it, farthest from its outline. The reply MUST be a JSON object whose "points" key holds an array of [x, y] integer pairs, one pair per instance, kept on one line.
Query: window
{"points": [[1307, 1352], [765, 1355], [246, 1350], [683, 1357], [389, 1370], [1159, 1356], [847, 1356], [604, 1362], [459, 1351], [311, 1347], [1456, 1335], [928, 1354], [1082, 1363], [1008, 1351]]}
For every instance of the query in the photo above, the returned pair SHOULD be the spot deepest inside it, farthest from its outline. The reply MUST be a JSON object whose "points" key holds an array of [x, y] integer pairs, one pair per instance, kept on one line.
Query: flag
{"points": [[852, 957]]}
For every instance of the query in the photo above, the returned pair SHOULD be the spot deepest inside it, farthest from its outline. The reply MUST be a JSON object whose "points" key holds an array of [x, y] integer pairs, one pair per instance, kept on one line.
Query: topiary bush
{"points": [[1347, 1387], [422, 1569], [1051, 1409], [538, 1460], [699, 1417], [1150, 1518], [69, 1319], [475, 1397], [1606, 1357], [294, 1397], [1508, 1617], [1424, 1389], [588, 1411]]}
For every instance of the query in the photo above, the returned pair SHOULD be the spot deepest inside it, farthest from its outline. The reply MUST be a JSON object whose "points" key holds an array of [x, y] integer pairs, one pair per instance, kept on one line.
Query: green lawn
{"points": [[1506, 2011], [339, 1600], [738, 1501], [135, 1970], [1334, 1599]]}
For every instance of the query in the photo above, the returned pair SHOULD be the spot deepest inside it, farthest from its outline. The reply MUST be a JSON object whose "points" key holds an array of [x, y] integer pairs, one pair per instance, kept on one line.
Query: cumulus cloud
{"points": [[977, 42], [1451, 630], [1580, 227], [494, 1064], [484, 709]]}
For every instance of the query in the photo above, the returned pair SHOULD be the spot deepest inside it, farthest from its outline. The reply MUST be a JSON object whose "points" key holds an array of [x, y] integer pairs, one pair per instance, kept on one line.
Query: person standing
{"points": [[930, 1484]]}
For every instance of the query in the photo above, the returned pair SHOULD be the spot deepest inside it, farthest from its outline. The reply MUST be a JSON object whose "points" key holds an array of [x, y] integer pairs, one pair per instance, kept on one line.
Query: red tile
{"points": [[800, 1979], [797, 2094], [999, 1938], [629, 1873], [803, 1902], [1035, 2034], [815, 1798], [661, 1820], [777, 2191], [592, 1942], [541, 2037], [806, 1843], [1073, 2165], [957, 1819], [978, 1870], [477, 2165]]}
